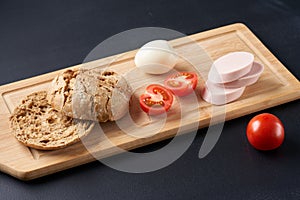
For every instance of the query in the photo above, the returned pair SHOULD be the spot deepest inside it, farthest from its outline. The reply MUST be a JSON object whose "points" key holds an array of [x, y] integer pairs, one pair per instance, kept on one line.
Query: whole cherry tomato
{"points": [[265, 132], [156, 99], [182, 83]]}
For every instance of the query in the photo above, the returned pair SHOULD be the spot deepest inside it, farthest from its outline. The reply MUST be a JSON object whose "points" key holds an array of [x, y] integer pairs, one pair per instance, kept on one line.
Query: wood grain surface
{"points": [[197, 52]]}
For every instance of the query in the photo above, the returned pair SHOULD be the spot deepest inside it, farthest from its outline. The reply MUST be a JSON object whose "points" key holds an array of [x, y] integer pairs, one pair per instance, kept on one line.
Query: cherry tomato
{"points": [[265, 132], [156, 100], [182, 84]]}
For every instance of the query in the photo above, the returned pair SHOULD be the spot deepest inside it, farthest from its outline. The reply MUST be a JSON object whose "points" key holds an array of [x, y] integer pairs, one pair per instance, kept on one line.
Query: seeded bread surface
{"points": [[36, 124]]}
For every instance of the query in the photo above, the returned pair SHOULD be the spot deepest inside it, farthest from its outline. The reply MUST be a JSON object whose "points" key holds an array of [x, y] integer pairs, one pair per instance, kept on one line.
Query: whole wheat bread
{"points": [[36, 124], [90, 94]]}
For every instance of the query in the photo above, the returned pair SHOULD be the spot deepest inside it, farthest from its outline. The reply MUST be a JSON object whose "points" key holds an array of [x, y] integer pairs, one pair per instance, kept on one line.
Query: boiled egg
{"points": [[156, 57]]}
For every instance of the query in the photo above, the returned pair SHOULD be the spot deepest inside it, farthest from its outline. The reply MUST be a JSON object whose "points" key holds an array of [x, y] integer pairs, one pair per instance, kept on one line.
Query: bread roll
{"points": [[36, 124], [90, 94]]}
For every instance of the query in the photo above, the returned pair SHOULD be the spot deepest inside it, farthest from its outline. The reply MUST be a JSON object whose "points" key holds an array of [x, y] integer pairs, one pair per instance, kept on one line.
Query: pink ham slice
{"points": [[217, 95], [228, 77], [248, 79], [231, 67]]}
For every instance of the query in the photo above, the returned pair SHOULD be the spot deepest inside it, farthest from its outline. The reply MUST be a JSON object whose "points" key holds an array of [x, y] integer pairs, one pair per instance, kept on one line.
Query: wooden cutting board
{"points": [[276, 86]]}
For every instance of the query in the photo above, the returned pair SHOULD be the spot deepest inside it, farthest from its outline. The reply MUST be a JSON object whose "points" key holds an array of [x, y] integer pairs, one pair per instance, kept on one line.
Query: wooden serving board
{"points": [[276, 86]]}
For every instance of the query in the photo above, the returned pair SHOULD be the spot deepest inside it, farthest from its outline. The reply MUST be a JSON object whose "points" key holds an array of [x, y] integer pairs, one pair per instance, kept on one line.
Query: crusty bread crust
{"points": [[90, 94], [36, 124]]}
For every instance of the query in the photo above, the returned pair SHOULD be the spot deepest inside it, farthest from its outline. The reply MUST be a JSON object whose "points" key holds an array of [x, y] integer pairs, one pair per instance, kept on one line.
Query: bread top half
{"points": [[90, 94]]}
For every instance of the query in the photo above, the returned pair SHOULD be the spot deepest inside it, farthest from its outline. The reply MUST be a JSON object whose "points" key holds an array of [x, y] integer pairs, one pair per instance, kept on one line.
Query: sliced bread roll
{"points": [[90, 94], [36, 124]]}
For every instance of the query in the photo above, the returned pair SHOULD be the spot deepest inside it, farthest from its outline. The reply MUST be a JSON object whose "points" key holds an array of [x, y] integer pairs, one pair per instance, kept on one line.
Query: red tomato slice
{"points": [[182, 84], [265, 132], [156, 100]]}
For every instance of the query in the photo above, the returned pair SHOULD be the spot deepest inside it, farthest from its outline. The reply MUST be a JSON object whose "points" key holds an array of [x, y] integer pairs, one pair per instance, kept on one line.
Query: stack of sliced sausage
{"points": [[229, 76]]}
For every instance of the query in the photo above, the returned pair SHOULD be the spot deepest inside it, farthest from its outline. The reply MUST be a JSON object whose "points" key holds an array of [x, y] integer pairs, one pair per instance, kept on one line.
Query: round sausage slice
{"points": [[248, 79], [216, 95], [231, 67]]}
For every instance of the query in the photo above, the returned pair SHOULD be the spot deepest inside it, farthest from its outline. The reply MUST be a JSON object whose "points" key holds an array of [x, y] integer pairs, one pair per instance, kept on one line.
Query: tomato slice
{"points": [[182, 83], [156, 99]]}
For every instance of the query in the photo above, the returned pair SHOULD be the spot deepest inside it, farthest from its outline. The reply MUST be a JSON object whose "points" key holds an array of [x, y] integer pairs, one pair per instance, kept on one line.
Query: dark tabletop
{"points": [[37, 37]]}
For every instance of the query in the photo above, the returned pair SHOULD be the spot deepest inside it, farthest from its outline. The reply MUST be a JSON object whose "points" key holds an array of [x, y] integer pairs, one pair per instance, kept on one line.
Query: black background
{"points": [[42, 36]]}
